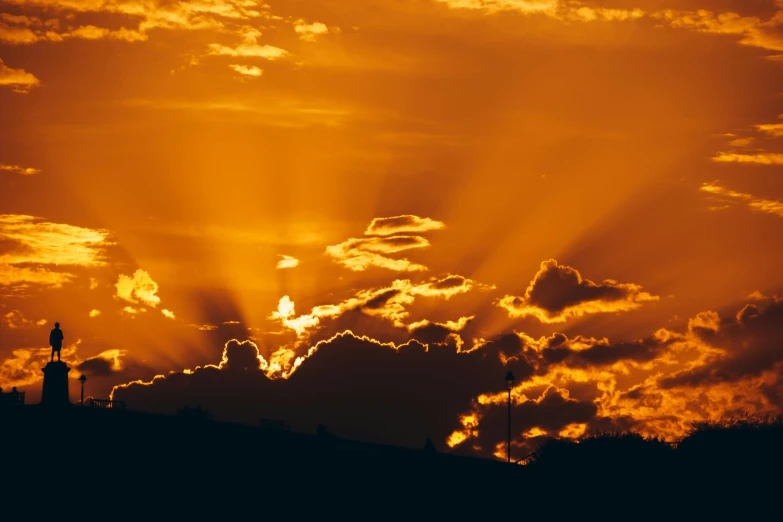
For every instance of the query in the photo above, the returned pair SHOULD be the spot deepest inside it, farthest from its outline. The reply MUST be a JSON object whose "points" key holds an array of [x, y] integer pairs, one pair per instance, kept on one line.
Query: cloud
{"points": [[205, 327], [287, 262], [309, 32], [16, 319], [761, 158], [558, 293], [22, 277], [389, 303], [773, 129], [250, 48], [547, 7], [752, 30], [429, 332], [225, 15], [94, 313], [741, 142], [247, 70], [267, 52], [102, 365], [566, 386], [18, 80], [91, 32], [402, 224], [31, 246], [168, 314], [746, 346], [23, 368], [16, 169], [138, 289], [360, 254], [756, 204], [412, 387]]}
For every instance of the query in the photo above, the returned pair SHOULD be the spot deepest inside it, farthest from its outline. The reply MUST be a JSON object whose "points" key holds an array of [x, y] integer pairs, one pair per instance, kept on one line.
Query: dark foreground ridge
{"points": [[190, 465]]}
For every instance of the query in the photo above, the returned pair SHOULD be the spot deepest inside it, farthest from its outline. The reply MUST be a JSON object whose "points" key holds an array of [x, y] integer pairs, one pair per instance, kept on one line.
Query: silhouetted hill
{"points": [[190, 466]]}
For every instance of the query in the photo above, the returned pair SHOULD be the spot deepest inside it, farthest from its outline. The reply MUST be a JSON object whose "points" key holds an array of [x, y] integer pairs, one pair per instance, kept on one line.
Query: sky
{"points": [[363, 213]]}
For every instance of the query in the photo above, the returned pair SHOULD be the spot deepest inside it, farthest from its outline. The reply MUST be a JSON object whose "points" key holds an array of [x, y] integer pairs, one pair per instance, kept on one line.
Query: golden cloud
{"points": [[752, 30], [761, 158], [249, 48], [359, 254], [33, 241], [138, 289], [103, 364], [204, 327], [24, 367], [741, 142], [287, 262], [94, 313], [16, 319], [389, 303], [773, 129], [18, 80], [558, 293], [247, 70], [756, 204], [16, 169], [309, 32], [402, 224]]}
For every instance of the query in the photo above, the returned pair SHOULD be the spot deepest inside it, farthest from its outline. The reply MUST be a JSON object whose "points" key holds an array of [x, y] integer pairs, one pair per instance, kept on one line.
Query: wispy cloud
{"points": [[34, 246], [309, 32], [766, 206], [402, 224], [360, 254], [22, 171], [249, 48], [761, 158], [247, 70], [18, 80]]}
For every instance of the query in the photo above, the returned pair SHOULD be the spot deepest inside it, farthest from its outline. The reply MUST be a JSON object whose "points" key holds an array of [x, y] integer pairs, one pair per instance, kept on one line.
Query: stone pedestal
{"points": [[55, 385]]}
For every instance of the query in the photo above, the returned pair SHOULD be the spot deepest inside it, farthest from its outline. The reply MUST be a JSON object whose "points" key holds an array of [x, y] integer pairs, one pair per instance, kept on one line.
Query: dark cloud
{"points": [[558, 292], [750, 343], [355, 386], [96, 366], [102, 365], [603, 352]]}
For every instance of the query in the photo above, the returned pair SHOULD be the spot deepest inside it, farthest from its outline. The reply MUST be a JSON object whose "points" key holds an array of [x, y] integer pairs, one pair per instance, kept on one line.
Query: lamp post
{"points": [[81, 380], [510, 384]]}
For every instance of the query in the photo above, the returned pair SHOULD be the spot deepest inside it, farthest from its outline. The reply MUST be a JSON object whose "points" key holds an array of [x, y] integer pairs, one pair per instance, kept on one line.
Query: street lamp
{"points": [[81, 380], [510, 384]]}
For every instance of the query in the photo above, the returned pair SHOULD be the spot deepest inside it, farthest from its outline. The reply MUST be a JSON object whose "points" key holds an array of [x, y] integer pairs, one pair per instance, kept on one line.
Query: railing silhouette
{"points": [[105, 404]]}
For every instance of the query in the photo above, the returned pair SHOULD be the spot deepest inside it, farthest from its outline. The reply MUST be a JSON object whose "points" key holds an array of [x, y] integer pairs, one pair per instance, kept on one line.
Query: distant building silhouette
{"points": [[274, 425], [194, 413]]}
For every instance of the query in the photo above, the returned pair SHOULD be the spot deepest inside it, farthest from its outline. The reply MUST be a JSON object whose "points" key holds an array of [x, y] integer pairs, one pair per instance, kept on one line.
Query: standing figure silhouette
{"points": [[56, 340]]}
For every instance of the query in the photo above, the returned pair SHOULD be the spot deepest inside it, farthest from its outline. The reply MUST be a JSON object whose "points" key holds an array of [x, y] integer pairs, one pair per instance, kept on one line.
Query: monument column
{"points": [[55, 385]]}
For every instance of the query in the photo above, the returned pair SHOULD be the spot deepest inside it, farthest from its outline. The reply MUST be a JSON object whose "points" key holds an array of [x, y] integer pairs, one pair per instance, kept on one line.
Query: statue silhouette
{"points": [[56, 340]]}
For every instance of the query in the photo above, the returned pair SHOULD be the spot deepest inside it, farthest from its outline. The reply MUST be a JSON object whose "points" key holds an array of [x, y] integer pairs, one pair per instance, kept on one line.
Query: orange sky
{"points": [[177, 174]]}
